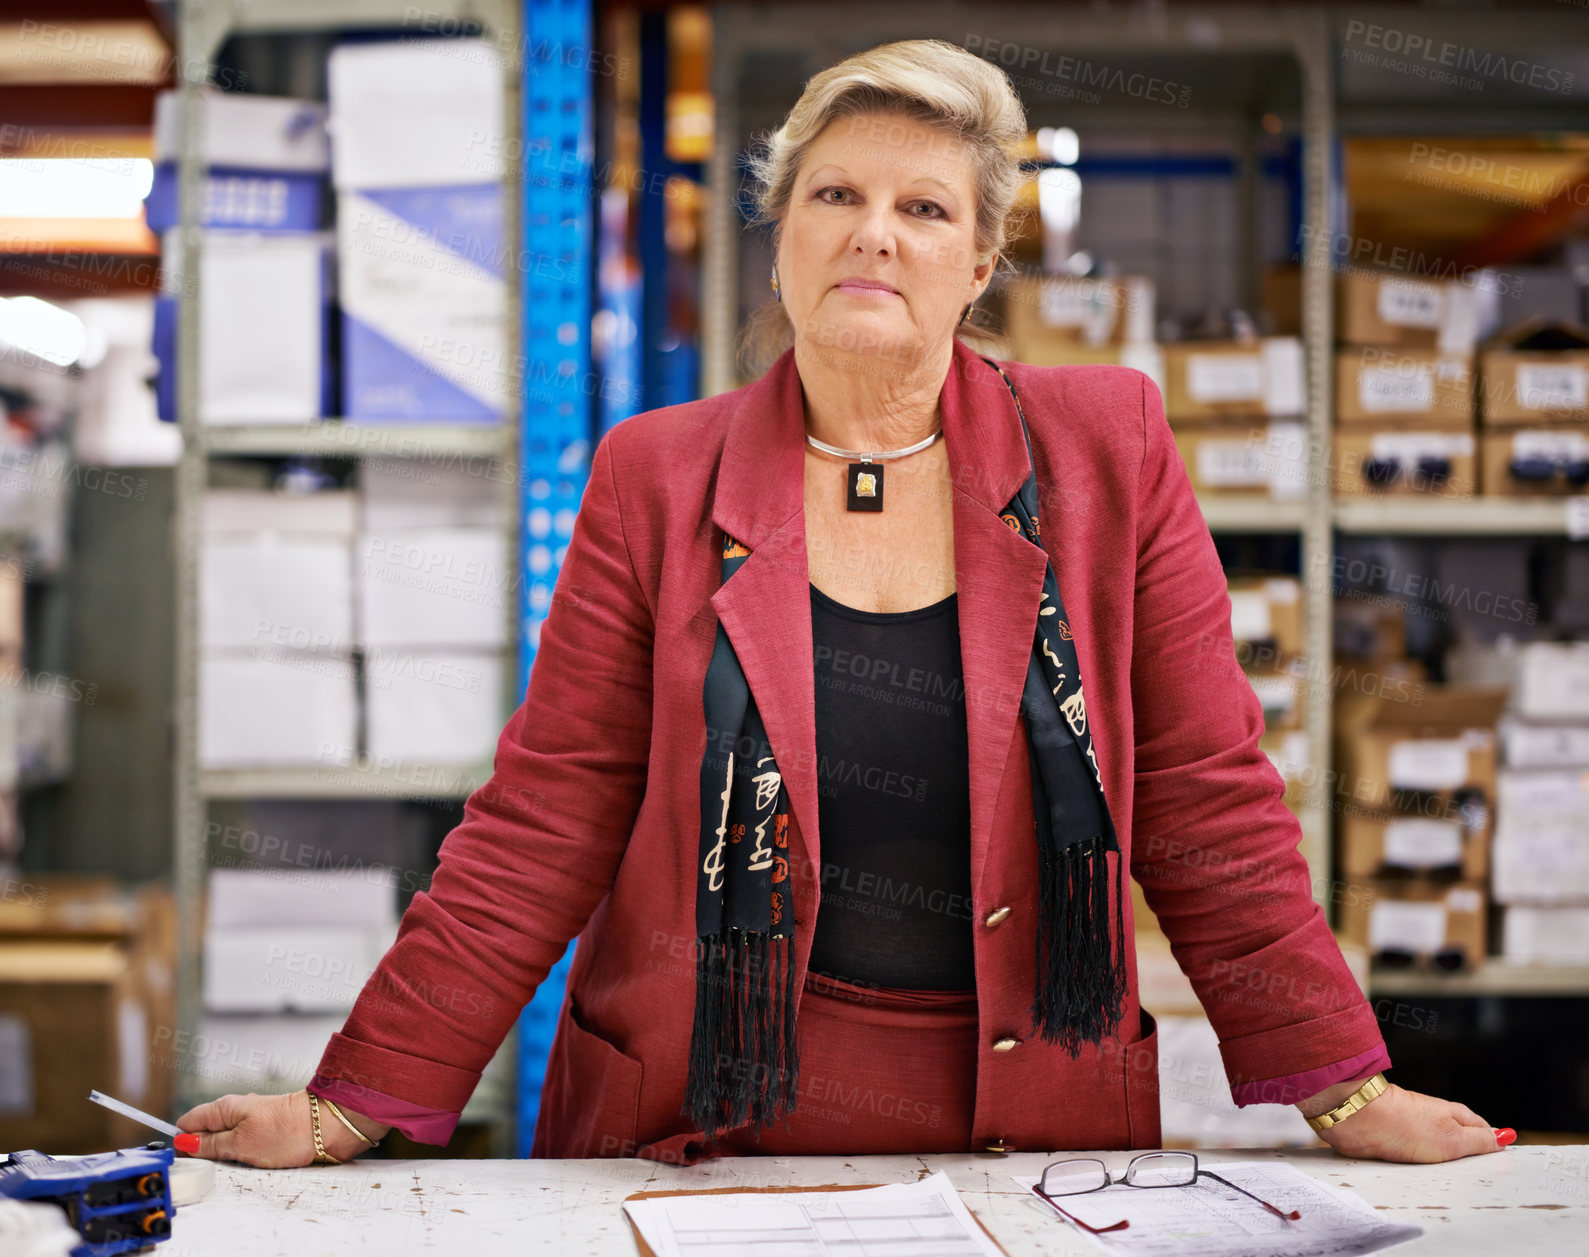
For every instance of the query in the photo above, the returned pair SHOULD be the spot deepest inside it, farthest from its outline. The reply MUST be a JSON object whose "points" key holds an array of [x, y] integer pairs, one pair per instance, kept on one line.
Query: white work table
{"points": [[1531, 1200]]}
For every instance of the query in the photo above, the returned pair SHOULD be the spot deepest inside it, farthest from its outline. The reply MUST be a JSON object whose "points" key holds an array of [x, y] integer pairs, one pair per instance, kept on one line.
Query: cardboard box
{"points": [[292, 593], [1388, 308], [423, 587], [1267, 609], [1534, 462], [1545, 936], [267, 158], [276, 706], [1541, 849], [1253, 459], [433, 706], [1045, 315], [1372, 844], [1534, 374], [1384, 385], [424, 304], [286, 897], [413, 113], [1416, 463], [1211, 381], [70, 1021], [400, 493], [1420, 919], [270, 1053], [1441, 745], [1368, 627], [1280, 300]]}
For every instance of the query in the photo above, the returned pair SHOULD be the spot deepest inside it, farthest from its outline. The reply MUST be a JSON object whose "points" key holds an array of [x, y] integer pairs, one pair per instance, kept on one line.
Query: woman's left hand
{"points": [[1401, 1125]]}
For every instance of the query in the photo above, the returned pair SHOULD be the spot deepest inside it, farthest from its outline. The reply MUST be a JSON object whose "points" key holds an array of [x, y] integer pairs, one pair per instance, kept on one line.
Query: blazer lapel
{"points": [[766, 608]]}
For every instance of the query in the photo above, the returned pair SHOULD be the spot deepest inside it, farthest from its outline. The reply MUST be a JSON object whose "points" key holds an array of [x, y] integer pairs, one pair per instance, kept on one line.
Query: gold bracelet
{"points": [[321, 1156], [343, 1118], [1370, 1090]]}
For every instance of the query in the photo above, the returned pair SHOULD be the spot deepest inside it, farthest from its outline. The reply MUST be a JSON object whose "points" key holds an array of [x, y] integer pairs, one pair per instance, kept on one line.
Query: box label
{"points": [[16, 1067], [1408, 303], [1212, 378], [1249, 615], [1421, 843], [1416, 927], [1558, 447], [1429, 764], [1382, 389], [1409, 447], [1552, 386]]}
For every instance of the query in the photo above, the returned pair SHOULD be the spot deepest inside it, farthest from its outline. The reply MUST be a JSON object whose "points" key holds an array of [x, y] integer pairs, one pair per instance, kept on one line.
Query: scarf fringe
{"points": [[1081, 971], [744, 1061]]}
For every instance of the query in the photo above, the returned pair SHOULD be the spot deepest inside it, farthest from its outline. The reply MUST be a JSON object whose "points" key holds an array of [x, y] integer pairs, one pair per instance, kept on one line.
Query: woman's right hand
{"points": [[271, 1131]]}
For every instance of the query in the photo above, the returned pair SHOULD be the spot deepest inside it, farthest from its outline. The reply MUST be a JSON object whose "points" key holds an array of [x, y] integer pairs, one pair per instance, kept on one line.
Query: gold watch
{"points": [[1370, 1090]]}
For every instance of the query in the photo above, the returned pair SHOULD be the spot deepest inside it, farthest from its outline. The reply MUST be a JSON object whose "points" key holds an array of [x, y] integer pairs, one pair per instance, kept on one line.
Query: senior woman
{"points": [[863, 690]]}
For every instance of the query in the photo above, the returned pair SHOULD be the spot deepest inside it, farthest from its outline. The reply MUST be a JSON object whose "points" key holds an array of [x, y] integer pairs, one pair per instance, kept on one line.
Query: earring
{"points": [[775, 290], [964, 315]]}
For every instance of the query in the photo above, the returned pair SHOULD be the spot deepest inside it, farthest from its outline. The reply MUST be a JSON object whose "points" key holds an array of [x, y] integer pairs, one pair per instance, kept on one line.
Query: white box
{"points": [[435, 707], [1552, 681], [263, 323], [408, 493], [1545, 936], [276, 707], [424, 304], [261, 969], [249, 512], [242, 129], [292, 896], [274, 591], [416, 113], [1541, 845], [434, 587], [267, 1053]]}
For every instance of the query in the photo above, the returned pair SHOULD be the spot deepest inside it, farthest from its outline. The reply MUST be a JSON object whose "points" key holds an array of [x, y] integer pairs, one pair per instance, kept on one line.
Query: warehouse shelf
{"points": [[1458, 517], [363, 780], [1233, 514], [203, 26], [1493, 977], [353, 439]]}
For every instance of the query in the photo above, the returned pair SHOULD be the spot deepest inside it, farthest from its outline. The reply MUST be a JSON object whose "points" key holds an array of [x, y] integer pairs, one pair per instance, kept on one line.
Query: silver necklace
{"points": [[864, 480]]}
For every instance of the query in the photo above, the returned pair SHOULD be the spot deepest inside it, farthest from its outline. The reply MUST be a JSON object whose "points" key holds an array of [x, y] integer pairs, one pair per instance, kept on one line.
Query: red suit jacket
{"points": [[589, 825]]}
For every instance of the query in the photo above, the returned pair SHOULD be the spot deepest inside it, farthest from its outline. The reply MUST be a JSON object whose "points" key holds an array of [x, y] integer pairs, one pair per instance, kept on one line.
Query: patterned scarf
{"points": [[744, 1066]]}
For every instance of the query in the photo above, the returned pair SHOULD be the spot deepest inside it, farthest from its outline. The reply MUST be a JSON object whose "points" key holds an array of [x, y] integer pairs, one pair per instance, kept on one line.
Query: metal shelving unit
{"points": [[1313, 40], [203, 26]]}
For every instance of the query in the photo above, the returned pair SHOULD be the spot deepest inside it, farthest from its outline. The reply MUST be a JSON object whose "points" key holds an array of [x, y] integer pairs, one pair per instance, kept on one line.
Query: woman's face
{"points": [[877, 254]]}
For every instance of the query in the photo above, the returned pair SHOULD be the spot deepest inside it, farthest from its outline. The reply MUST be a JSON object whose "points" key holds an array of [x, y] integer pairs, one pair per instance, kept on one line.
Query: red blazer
{"points": [[589, 826]]}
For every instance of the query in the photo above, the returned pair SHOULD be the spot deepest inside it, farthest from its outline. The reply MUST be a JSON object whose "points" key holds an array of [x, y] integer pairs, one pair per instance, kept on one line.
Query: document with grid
{"points": [[1207, 1219], [925, 1219]]}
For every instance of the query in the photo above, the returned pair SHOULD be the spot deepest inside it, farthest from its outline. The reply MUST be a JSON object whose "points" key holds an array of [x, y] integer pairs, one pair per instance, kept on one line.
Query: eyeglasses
{"points": [[1079, 1175]]}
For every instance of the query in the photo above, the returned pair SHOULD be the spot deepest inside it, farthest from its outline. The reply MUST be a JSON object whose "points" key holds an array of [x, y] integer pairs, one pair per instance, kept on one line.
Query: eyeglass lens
{"points": [[1162, 1169], [1067, 1178]]}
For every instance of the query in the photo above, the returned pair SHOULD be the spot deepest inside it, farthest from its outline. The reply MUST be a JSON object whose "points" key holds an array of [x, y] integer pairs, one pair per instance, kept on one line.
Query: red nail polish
{"points": [[187, 1143], [1504, 1136]]}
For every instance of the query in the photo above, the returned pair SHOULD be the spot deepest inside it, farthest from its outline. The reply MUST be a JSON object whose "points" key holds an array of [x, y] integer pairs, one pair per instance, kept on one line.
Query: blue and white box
{"points": [[424, 304], [266, 159], [417, 157]]}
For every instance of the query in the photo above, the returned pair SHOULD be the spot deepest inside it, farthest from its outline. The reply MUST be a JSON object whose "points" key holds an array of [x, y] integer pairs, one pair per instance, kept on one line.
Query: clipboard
{"points": [[647, 1251]]}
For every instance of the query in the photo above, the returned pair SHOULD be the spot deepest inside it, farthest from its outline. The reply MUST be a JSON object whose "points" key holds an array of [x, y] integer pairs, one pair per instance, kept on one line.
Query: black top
{"points": [[894, 797]]}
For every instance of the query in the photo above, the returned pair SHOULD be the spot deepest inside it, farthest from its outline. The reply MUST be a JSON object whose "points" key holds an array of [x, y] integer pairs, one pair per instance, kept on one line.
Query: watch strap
{"points": [[1370, 1090]]}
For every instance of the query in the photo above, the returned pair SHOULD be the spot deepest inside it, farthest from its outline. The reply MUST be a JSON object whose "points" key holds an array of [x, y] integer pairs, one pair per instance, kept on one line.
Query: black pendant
{"points": [[865, 483]]}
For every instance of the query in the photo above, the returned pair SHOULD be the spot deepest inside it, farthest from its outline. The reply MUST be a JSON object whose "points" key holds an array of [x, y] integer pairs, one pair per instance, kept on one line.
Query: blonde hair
{"points": [[932, 81]]}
